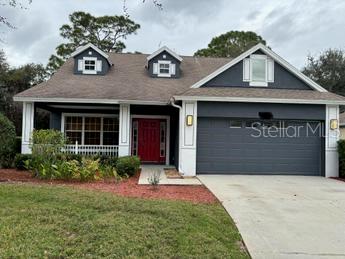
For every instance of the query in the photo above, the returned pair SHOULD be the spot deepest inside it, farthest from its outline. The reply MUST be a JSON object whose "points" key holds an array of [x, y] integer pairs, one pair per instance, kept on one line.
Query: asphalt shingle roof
{"points": [[244, 92], [128, 79]]}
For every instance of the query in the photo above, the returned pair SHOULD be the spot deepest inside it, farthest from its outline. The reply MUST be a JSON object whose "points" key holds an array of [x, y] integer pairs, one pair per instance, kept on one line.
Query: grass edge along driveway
{"points": [[55, 221]]}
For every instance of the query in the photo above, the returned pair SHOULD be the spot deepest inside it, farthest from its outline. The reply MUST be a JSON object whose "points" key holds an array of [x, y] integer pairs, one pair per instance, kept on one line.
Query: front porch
{"points": [[147, 131]]}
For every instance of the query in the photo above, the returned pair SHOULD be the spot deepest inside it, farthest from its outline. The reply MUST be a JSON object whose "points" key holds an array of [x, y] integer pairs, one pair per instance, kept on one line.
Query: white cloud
{"points": [[292, 28]]}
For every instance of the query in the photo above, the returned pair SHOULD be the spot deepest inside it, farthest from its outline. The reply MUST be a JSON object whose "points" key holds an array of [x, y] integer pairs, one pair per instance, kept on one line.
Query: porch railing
{"points": [[92, 150]]}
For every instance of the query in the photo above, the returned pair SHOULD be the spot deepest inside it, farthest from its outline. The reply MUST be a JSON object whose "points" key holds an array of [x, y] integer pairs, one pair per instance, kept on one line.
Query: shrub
{"points": [[341, 151], [47, 143], [89, 170], [19, 161], [69, 157], [7, 141], [86, 170], [127, 165], [108, 161], [107, 171]]}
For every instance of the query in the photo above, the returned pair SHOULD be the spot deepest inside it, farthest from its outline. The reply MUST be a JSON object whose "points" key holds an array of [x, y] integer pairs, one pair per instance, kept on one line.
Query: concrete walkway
{"points": [[148, 170], [285, 216]]}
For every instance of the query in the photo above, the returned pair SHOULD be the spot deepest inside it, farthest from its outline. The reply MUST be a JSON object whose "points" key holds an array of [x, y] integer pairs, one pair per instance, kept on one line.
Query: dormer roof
{"points": [[90, 45], [164, 48]]}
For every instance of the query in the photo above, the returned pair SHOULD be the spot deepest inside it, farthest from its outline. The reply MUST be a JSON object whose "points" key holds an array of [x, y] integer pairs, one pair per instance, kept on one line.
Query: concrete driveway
{"points": [[285, 216]]}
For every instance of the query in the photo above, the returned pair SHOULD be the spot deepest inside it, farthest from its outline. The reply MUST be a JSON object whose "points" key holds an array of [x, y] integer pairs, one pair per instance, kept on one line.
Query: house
{"points": [[203, 115]]}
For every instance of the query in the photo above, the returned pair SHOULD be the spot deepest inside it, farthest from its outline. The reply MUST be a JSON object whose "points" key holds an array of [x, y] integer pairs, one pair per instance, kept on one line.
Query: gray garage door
{"points": [[235, 146]]}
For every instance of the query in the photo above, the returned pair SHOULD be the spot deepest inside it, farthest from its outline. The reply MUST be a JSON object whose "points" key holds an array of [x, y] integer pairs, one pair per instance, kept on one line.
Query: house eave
{"points": [[85, 100], [257, 100]]}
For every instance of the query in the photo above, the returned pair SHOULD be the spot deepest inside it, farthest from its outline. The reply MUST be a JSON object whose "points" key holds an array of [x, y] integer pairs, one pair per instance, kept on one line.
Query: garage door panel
{"points": [[225, 150]]}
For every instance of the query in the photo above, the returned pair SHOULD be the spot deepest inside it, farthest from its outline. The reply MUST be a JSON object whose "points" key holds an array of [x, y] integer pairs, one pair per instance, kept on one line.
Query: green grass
{"points": [[62, 222]]}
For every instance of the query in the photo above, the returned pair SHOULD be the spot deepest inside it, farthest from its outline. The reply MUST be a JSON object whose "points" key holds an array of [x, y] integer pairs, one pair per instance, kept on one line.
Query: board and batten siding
{"points": [[233, 77]]}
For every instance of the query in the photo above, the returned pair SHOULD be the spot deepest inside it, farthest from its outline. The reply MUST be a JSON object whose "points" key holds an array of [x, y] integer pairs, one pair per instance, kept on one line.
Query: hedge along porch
{"points": [[149, 131]]}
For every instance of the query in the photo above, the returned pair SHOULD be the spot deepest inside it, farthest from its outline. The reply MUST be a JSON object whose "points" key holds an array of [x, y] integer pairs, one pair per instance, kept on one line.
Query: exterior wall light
{"points": [[189, 120], [333, 124]]}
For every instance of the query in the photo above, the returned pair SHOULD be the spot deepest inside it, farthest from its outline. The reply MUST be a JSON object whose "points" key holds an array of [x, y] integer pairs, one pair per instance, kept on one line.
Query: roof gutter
{"points": [[258, 100], [82, 100]]}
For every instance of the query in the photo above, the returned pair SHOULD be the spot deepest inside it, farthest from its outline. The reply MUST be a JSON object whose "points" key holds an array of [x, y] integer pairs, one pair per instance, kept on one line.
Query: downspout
{"points": [[173, 104]]}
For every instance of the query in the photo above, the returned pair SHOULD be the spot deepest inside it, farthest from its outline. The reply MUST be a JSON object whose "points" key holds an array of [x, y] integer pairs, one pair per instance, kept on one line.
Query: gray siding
{"points": [[251, 110], [233, 77], [168, 58], [105, 64]]}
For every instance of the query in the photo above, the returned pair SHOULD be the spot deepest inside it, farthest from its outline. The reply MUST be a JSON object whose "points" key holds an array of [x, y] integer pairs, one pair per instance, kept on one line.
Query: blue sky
{"points": [[291, 28]]}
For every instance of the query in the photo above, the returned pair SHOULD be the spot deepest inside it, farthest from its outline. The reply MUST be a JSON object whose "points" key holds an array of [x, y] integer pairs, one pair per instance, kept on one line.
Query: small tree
{"points": [[7, 141]]}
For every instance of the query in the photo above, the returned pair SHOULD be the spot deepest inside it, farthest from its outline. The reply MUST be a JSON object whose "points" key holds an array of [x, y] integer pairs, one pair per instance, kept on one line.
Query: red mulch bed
{"points": [[127, 188], [339, 179]]}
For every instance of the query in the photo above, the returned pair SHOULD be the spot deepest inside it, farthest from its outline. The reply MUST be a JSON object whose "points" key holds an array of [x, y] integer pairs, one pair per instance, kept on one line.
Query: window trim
{"points": [[253, 82], [83, 116], [159, 74], [89, 72]]}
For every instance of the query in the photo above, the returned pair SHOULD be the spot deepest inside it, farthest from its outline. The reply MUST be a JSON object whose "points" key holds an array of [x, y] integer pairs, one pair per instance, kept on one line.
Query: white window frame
{"points": [[83, 116], [89, 72], [258, 83], [159, 74]]}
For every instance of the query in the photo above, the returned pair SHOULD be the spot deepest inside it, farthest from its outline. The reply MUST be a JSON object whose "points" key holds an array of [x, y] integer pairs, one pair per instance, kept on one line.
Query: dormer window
{"points": [[258, 70], [90, 65], [164, 68]]}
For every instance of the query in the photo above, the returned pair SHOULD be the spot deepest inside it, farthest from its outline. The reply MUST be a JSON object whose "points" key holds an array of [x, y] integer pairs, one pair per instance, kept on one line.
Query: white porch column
{"points": [[332, 137], [27, 126], [124, 131], [187, 142]]}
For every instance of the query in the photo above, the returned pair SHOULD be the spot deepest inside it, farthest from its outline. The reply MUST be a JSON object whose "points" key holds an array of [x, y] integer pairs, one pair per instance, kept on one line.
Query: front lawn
{"points": [[42, 221]]}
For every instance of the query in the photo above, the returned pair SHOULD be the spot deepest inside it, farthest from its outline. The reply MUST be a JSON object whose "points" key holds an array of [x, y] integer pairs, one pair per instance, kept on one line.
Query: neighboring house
{"points": [[201, 114]]}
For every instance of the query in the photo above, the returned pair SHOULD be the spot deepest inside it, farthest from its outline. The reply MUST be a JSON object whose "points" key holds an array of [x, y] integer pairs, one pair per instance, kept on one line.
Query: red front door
{"points": [[151, 140]]}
